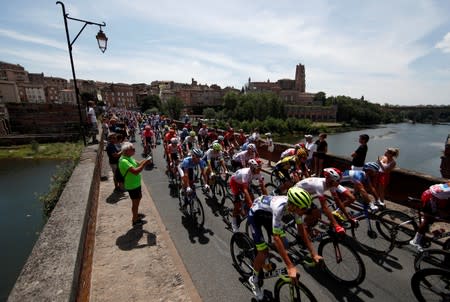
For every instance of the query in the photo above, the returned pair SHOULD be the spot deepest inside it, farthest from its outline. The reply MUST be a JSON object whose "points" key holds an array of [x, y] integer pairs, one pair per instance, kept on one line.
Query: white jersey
{"points": [[245, 176], [316, 186], [277, 206], [213, 155]]}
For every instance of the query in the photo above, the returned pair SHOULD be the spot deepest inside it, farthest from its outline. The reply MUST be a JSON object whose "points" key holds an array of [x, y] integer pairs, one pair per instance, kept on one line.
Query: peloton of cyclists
{"points": [[267, 212]]}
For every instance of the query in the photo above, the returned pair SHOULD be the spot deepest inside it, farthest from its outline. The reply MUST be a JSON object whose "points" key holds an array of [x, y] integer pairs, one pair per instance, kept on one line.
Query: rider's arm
{"points": [[248, 198], [282, 251], [305, 237]]}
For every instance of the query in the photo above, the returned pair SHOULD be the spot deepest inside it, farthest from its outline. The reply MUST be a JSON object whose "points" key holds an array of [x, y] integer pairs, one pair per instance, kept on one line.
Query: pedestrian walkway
{"points": [[135, 264]]}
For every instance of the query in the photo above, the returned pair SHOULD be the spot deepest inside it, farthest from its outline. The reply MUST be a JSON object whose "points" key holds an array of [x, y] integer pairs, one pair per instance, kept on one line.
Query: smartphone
{"points": [[149, 157]]}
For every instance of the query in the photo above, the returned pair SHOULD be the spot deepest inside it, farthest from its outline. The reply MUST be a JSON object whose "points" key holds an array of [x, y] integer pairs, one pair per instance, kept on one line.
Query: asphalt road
{"points": [[206, 255]]}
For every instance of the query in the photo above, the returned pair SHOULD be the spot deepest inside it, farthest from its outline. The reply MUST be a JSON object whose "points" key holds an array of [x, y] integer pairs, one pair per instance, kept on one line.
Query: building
{"points": [[298, 102], [9, 92]]}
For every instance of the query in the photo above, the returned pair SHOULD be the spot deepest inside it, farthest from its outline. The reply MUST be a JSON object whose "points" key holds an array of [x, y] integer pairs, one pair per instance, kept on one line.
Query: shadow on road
{"points": [[131, 239]]}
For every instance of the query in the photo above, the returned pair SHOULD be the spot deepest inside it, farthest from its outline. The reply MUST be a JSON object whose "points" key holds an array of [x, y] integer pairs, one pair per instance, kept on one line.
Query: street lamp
{"points": [[102, 41]]}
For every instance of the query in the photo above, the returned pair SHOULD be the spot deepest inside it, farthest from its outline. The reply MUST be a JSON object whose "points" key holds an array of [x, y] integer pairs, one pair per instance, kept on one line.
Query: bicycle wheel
{"points": [[405, 226], [342, 262], [197, 213], [431, 284], [243, 252], [432, 258], [369, 239], [285, 290], [218, 191]]}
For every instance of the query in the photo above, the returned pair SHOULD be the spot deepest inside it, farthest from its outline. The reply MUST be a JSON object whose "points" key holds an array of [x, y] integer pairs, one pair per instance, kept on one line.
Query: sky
{"points": [[389, 51]]}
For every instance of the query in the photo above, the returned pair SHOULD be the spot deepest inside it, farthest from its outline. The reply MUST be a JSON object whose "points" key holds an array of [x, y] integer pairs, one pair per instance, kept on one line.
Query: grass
{"points": [[35, 150]]}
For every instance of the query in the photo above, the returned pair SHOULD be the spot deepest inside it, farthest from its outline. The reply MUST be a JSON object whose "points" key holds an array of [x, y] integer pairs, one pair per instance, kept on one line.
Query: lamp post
{"points": [[102, 44]]}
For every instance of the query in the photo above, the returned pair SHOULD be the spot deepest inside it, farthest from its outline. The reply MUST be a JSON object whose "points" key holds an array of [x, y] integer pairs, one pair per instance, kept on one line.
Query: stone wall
{"points": [[26, 118], [52, 271]]}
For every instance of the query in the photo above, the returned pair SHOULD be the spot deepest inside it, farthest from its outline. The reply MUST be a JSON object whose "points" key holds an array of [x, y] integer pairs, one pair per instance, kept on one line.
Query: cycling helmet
{"points": [[171, 130], [299, 197], [185, 129], [174, 140], [251, 139], [254, 163], [332, 173], [220, 138], [373, 166], [302, 153], [251, 147], [217, 147], [197, 152], [147, 127], [192, 133]]}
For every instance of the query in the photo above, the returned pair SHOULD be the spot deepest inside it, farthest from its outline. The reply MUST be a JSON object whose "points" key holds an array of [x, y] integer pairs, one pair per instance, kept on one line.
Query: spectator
{"points": [[359, 155], [114, 153], [270, 147], [321, 151], [130, 170], [311, 147], [387, 164], [92, 122]]}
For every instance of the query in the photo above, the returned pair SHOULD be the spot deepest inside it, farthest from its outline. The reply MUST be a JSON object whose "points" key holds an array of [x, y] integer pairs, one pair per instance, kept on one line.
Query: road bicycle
{"points": [[404, 227], [429, 258], [340, 260], [191, 206], [365, 230], [243, 252], [228, 203], [431, 284]]}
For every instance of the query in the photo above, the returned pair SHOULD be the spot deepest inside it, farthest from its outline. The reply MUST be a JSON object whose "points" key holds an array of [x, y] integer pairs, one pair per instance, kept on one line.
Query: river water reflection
{"points": [[421, 145], [21, 216]]}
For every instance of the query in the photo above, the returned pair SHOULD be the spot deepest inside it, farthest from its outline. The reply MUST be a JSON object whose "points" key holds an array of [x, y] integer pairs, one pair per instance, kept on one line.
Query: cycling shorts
{"points": [[236, 188], [257, 220]]}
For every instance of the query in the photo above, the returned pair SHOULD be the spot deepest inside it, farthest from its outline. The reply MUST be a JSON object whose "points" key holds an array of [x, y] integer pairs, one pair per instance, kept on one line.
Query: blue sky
{"points": [[395, 52]]}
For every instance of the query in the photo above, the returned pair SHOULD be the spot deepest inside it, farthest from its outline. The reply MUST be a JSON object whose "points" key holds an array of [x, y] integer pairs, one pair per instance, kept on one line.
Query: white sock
{"points": [[417, 238]]}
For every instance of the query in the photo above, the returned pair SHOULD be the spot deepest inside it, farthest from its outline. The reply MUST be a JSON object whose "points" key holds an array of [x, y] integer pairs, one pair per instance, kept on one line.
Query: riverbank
{"points": [[34, 150]]}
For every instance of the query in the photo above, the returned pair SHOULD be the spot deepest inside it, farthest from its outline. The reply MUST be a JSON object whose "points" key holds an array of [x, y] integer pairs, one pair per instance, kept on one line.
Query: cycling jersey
{"points": [[189, 164], [436, 198], [241, 178], [264, 208], [173, 149], [212, 155], [316, 186], [287, 152], [243, 157], [355, 176]]}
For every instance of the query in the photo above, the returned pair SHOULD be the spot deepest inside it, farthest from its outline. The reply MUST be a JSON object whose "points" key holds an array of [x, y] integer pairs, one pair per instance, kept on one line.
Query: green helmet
{"points": [[192, 133], [299, 197], [217, 147]]}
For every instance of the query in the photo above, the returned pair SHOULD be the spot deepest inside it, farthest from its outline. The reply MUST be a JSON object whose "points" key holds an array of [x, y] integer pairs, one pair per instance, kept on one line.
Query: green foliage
{"points": [[209, 113], [151, 101], [173, 107], [58, 183]]}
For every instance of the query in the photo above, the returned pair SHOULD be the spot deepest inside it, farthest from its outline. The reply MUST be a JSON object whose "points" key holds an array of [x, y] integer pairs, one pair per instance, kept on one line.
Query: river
{"points": [[21, 216], [421, 145]]}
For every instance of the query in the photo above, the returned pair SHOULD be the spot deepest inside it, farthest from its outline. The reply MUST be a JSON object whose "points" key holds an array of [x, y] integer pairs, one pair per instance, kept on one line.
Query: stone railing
{"points": [[61, 256]]}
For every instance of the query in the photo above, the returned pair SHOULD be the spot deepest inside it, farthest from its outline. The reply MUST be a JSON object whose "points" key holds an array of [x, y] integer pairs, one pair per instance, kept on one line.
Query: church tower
{"points": [[300, 78]]}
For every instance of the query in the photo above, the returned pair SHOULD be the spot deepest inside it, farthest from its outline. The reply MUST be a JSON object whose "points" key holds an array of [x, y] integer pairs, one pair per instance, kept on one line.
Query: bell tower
{"points": [[300, 78]]}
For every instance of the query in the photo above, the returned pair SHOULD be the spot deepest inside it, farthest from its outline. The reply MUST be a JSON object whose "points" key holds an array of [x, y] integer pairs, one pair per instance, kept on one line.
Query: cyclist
{"points": [[202, 134], [267, 212], [230, 140], [316, 186], [186, 170], [363, 183], [149, 139], [190, 142], [173, 154], [295, 164], [290, 151], [184, 133], [239, 183], [171, 133], [435, 205], [213, 157], [241, 158]]}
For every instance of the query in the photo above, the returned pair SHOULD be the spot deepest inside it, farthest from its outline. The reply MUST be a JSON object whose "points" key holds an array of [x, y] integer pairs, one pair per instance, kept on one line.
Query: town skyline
{"points": [[355, 50]]}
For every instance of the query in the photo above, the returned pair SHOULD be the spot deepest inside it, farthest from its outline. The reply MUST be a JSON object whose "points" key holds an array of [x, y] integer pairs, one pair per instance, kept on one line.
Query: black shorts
{"points": [[135, 193]]}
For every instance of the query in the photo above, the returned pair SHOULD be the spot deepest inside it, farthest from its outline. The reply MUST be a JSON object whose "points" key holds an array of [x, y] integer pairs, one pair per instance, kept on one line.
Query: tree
{"points": [[150, 102], [173, 107], [320, 97], [209, 113]]}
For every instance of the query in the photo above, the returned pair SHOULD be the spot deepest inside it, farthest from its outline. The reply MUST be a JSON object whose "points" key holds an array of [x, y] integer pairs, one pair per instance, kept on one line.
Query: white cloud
{"points": [[444, 44], [31, 39]]}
